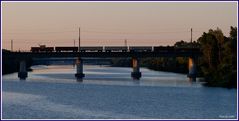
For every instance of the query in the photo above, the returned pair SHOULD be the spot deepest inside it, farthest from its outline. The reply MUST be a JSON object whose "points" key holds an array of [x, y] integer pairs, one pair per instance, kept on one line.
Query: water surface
{"points": [[109, 92]]}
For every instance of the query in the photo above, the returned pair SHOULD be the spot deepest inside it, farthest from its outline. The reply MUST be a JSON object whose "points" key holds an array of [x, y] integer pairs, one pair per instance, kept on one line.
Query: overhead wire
{"points": [[97, 32], [95, 40]]}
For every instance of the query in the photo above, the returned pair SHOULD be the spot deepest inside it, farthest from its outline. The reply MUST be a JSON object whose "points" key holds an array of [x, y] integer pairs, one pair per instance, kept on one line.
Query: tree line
{"points": [[217, 65], [219, 60]]}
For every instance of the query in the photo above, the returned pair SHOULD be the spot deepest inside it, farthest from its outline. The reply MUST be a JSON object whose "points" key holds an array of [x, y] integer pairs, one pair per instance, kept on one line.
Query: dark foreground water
{"points": [[51, 92]]}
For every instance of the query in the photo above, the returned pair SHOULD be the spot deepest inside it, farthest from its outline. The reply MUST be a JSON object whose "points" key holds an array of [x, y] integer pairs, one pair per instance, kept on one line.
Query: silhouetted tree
{"points": [[219, 57]]}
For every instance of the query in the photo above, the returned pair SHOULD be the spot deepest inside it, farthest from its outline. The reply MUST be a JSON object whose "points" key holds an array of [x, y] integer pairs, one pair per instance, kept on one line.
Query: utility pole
{"points": [[11, 45], [79, 40], [191, 35], [125, 42]]}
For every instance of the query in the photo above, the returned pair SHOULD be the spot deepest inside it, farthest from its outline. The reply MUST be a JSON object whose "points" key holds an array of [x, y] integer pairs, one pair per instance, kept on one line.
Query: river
{"points": [[52, 92]]}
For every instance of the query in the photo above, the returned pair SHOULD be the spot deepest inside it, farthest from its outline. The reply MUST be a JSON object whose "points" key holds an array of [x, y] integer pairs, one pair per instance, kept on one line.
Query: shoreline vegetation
{"points": [[217, 65]]}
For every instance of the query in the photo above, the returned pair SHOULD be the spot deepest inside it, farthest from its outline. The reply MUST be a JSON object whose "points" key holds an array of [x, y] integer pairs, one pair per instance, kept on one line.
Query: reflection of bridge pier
{"points": [[136, 74], [79, 69], [192, 69], [22, 74]]}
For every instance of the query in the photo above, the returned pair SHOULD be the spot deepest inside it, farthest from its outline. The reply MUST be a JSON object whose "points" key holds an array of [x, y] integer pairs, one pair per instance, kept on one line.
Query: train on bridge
{"points": [[43, 48]]}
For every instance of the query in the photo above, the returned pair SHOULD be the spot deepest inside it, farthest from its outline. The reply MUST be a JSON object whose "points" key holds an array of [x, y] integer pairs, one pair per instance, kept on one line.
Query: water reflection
{"points": [[136, 82], [111, 89], [79, 79], [22, 80], [105, 75]]}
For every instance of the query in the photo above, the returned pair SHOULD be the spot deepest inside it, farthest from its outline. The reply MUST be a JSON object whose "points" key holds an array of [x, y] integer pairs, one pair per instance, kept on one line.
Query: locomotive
{"points": [[42, 48]]}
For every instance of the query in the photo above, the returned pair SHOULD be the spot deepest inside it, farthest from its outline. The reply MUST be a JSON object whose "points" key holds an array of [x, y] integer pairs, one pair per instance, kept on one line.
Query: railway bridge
{"points": [[136, 56]]}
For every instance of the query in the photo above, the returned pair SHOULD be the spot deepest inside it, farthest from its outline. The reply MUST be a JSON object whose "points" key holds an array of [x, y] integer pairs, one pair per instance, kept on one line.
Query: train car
{"points": [[187, 49], [42, 49], [35, 49], [164, 49], [116, 48], [91, 49], [49, 49], [140, 48], [66, 49]]}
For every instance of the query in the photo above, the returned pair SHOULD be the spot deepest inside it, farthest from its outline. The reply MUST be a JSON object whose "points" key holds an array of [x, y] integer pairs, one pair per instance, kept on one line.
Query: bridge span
{"points": [[104, 54], [136, 74]]}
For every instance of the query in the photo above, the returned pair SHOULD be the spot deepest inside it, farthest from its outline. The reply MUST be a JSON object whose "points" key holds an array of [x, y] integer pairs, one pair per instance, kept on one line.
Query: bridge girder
{"points": [[102, 54]]}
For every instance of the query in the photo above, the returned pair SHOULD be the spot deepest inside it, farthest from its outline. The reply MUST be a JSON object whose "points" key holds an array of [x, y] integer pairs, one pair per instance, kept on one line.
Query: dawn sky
{"points": [[110, 23]]}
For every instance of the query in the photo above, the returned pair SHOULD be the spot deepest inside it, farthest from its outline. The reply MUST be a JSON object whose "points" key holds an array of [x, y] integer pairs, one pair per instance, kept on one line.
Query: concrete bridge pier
{"points": [[22, 74], [79, 69], [136, 74], [192, 69]]}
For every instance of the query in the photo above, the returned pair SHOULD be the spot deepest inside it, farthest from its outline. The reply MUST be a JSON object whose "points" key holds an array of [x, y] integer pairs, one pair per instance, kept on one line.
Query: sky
{"points": [[29, 24]]}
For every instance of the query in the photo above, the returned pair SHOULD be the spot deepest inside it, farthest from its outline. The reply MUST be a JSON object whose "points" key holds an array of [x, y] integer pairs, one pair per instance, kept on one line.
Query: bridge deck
{"points": [[102, 54]]}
